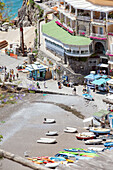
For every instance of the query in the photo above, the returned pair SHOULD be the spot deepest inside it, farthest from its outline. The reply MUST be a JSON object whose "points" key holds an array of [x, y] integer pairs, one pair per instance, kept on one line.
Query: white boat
{"points": [[99, 130], [70, 130], [93, 141], [96, 149], [52, 165], [49, 121], [46, 140], [51, 133]]}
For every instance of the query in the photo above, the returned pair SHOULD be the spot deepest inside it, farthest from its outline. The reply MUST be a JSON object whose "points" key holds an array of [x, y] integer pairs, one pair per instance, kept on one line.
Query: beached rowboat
{"points": [[96, 149], [51, 133], [47, 121], [85, 136], [70, 130], [52, 165], [46, 140], [99, 130], [93, 141]]}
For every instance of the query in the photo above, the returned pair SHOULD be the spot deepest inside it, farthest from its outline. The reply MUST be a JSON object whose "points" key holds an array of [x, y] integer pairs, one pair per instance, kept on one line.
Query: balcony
{"points": [[98, 36], [87, 54], [102, 20], [67, 14], [82, 32], [109, 53], [85, 18], [110, 33]]}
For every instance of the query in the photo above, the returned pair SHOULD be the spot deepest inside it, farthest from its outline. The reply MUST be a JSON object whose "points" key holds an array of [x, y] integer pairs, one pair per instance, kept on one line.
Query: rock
{"points": [[26, 23]]}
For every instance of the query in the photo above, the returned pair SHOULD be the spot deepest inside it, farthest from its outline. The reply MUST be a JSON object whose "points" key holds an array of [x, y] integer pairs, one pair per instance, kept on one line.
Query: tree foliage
{"points": [[5, 11]]}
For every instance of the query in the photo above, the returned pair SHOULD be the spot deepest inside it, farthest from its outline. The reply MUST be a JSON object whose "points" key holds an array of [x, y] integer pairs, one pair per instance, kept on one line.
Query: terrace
{"points": [[56, 32]]}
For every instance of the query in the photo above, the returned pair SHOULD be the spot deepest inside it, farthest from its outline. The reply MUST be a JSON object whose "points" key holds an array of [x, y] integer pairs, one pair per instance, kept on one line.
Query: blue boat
{"points": [[80, 150], [108, 144]]}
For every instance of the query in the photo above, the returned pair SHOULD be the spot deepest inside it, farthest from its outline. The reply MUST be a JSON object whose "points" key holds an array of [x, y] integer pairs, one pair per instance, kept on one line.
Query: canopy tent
{"points": [[101, 81], [92, 76], [101, 113]]}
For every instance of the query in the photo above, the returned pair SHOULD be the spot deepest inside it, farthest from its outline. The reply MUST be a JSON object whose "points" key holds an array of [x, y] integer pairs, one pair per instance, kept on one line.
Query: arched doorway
{"points": [[81, 29], [99, 48]]}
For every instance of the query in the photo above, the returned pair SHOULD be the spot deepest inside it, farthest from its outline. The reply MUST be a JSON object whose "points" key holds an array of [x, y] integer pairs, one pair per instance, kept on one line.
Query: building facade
{"points": [[90, 19]]}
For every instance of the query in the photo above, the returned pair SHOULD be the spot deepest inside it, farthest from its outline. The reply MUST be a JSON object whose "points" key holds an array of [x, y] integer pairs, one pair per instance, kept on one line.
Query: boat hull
{"points": [[99, 131]]}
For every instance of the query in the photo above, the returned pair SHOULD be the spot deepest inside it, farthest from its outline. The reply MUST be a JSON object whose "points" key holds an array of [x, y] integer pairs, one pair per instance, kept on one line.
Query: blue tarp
{"points": [[100, 81]]}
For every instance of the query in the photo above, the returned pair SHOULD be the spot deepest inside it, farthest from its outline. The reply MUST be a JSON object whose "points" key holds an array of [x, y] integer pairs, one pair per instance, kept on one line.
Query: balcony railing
{"points": [[86, 18], [98, 36], [109, 53], [99, 20], [82, 32]]}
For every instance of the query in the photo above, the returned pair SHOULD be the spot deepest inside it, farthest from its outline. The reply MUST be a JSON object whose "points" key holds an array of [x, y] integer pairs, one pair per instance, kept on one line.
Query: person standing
{"points": [[17, 75]]}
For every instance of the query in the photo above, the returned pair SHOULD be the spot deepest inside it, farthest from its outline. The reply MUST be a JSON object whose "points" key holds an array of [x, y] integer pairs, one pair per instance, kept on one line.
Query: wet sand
{"points": [[24, 125]]}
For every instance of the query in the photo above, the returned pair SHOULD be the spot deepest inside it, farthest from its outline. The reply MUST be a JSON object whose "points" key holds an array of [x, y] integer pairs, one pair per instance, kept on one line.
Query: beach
{"points": [[24, 125]]}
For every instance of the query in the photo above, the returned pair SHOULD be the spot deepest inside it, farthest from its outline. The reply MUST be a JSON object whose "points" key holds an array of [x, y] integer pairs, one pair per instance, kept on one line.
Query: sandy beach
{"points": [[24, 125]]}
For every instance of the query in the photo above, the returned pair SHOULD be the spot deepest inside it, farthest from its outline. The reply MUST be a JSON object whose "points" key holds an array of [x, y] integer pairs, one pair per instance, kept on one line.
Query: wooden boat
{"points": [[47, 121], [96, 149], [51, 133], [52, 165], [46, 140], [99, 130], [85, 136], [70, 130], [93, 141], [108, 144]]}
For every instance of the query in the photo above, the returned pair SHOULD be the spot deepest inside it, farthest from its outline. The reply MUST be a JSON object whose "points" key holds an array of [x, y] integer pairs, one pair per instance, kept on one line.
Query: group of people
{"points": [[9, 76]]}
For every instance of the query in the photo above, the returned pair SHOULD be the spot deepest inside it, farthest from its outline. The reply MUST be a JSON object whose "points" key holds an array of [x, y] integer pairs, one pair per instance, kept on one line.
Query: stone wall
{"points": [[73, 77]]}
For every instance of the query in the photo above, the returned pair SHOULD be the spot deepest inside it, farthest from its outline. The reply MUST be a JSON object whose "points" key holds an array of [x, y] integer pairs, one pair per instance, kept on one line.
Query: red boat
{"points": [[85, 136]]}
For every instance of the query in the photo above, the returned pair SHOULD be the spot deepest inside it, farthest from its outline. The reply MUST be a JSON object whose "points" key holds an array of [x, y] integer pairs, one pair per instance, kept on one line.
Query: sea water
{"points": [[13, 6]]}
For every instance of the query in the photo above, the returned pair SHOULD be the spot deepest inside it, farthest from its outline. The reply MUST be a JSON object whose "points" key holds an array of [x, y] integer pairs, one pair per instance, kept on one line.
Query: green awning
{"points": [[101, 113]]}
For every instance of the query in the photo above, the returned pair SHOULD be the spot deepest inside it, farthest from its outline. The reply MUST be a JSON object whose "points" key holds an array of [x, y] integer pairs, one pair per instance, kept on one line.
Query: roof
{"points": [[83, 4], [92, 76], [53, 30], [101, 113], [100, 81], [32, 67]]}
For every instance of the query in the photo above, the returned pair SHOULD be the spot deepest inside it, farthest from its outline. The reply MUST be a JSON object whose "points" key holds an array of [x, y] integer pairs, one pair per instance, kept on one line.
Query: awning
{"points": [[104, 57], [110, 62], [100, 81], [103, 65], [101, 113]]}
